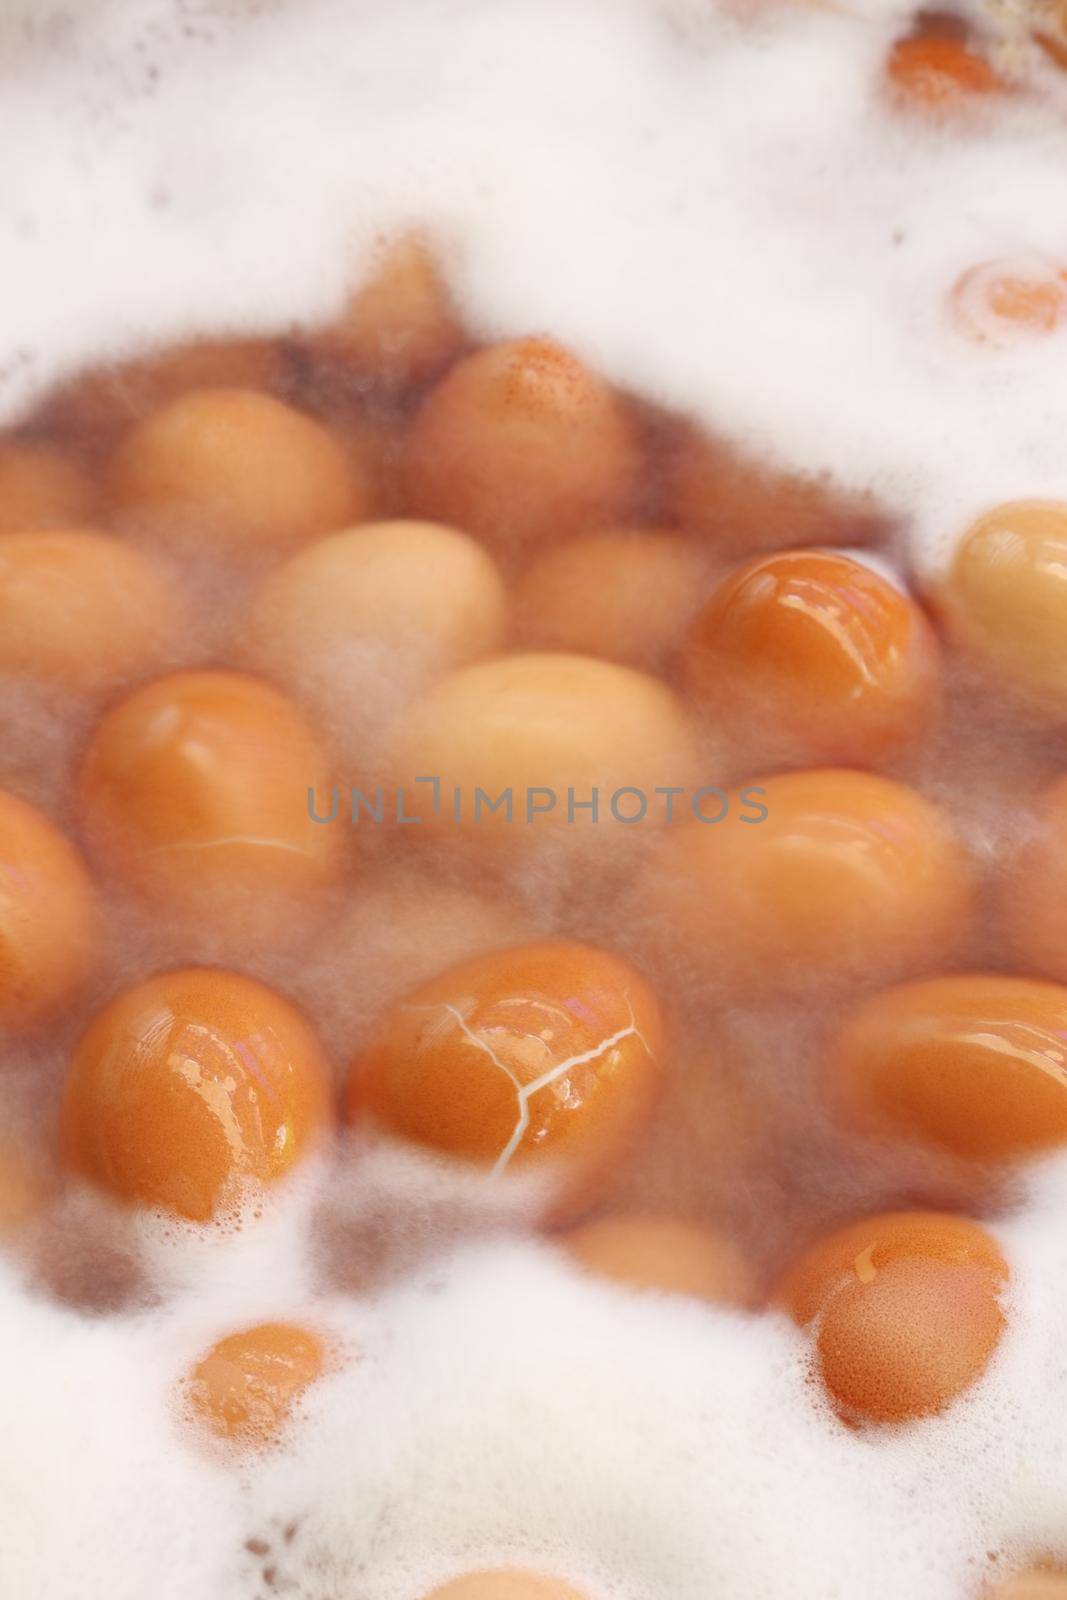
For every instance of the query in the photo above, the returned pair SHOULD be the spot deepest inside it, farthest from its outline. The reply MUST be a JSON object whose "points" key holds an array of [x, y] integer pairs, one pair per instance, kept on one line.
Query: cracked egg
{"points": [[194, 793], [547, 1054]]}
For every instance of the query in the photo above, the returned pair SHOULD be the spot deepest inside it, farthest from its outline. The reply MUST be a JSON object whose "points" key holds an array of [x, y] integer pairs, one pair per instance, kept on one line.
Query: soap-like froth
{"points": [[164, 160]]}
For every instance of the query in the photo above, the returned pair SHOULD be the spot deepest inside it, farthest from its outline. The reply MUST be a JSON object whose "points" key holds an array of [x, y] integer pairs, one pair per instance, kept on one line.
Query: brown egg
{"points": [[1001, 303], [519, 444], [938, 73], [188, 1088], [194, 791], [811, 656], [82, 611], [665, 1254], [829, 876], [234, 472], [907, 1311], [102, 403], [976, 1064], [742, 505], [546, 1055], [505, 1585], [626, 594], [379, 609], [48, 920], [1040, 1583], [551, 730], [1004, 600], [246, 1387], [41, 488], [1034, 889], [400, 327]]}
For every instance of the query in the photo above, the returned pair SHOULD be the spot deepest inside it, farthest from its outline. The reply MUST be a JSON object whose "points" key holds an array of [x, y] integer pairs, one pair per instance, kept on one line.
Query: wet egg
{"points": [[544, 1055], [829, 876], [975, 1063], [194, 793], [905, 1309], [192, 1091], [246, 1387], [811, 656]]}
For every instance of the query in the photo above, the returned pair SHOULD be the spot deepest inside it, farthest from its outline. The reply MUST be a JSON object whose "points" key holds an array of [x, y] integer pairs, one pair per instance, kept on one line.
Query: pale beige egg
{"points": [[360, 619], [526, 744]]}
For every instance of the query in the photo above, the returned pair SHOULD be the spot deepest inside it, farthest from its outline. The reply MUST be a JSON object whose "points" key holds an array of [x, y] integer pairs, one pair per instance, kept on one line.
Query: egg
{"points": [[82, 611], [519, 444], [95, 408], [975, 1064], [937, 72], [557, 733], [905, 1310], [193, 1090], [400, 326], [1002, 302], [544, 1055], [1033, 889], [1040, 1583], [625, 594], [194, 793], [41, 487], [246, 1387], [668, 1255], [374, 611], [809, 656], [48, 917], [828, 876], [742, 505], [1004, 600], [235, 472], [505, 1585]]}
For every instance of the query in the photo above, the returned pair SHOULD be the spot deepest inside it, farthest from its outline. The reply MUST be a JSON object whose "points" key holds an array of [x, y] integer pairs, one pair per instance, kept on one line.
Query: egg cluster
{"points": [[437, 748]]}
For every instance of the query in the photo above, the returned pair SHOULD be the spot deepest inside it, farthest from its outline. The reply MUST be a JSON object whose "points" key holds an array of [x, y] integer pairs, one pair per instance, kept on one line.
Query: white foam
{"points": [[717, 207]]}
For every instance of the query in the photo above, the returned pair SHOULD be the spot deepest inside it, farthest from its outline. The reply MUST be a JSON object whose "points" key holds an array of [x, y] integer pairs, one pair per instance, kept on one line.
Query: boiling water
{"points": [[718, 207]]}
